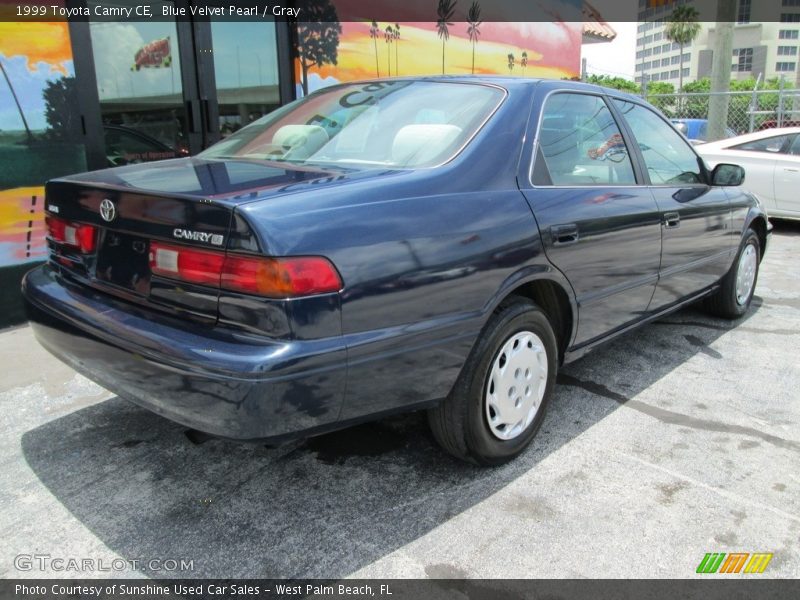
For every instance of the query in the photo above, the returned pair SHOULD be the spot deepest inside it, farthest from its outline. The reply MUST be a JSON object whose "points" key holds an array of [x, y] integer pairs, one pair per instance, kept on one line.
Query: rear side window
{"points": [[667, 155], [580, 144], [775, 143]]}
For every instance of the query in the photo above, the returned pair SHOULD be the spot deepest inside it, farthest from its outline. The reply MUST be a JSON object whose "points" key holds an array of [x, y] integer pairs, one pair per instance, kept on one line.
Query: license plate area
{"points": [[122, 261]]}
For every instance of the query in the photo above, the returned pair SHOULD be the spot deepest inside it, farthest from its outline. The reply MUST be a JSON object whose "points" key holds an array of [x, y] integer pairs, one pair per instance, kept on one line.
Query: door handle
{"points": [[564, 234], [672, 220]]}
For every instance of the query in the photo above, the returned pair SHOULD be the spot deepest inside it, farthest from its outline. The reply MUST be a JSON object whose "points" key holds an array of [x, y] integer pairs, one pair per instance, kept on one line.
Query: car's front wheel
{"points": [[499, 400], [736, 290]]}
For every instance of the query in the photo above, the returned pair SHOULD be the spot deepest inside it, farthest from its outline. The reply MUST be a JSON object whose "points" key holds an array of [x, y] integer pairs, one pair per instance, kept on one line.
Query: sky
{"points": [[617, 58]]}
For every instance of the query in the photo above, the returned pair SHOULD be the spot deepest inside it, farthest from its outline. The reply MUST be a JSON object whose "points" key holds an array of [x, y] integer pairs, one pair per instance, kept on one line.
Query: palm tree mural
{"points": [[473, 30], [523, 62], [374, 32], [16, 101], [445, 11], [389, 37], [511, 62], [396, 48]]}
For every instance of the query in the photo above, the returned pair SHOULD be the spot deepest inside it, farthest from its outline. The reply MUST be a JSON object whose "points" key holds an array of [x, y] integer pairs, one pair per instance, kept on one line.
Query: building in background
{"points": [[765, 43]]}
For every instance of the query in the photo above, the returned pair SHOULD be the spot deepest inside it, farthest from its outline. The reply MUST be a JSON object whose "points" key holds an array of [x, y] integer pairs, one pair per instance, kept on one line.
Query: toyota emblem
{"points": [[107, 210]]}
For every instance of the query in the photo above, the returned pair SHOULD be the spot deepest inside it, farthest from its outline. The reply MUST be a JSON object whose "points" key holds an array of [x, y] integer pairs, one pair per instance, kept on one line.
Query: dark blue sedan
{"points": [[440, 243]]}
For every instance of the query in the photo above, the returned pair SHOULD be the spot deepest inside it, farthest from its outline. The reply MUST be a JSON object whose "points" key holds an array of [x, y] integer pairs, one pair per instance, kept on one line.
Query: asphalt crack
{"points": [[675, 418]]}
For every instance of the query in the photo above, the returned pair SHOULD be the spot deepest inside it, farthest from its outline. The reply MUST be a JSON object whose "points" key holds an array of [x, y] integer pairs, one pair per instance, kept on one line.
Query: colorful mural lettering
{"points": [[459, 42]]}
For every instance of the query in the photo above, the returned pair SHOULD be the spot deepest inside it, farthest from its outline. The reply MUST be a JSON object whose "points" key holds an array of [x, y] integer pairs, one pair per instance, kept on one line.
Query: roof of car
{"points": [[503, 81]]}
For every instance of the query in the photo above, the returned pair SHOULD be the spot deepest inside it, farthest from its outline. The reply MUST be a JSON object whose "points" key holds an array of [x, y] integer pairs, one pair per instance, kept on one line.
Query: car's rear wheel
{"points": [[499, 400], [733, 298]]}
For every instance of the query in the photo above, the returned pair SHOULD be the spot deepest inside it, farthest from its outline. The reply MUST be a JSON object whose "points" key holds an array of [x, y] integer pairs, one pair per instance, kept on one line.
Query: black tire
{"points": [[459, 423], [724, 302]]}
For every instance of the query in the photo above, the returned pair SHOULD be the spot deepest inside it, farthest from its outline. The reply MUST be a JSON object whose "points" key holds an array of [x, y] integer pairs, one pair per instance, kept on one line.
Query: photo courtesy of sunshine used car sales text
{"points": [[204, 590], [399, 298]]}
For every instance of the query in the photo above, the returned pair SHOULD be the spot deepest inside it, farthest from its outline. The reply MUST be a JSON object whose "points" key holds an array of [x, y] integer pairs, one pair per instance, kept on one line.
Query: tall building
{"points": [[765, 42]]}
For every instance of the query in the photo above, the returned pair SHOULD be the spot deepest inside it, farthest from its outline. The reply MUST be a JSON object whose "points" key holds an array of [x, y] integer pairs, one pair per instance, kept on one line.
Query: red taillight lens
{"points": [[188, 264], [78, 235], [271, 277], [280, 277]]}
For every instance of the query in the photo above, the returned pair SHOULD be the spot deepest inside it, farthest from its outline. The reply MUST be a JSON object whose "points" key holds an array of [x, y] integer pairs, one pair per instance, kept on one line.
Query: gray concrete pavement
{"points": [[679, 439]]}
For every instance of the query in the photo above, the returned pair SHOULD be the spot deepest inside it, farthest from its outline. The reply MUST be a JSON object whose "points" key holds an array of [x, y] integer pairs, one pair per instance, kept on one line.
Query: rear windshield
{"points": [[403, 124]]}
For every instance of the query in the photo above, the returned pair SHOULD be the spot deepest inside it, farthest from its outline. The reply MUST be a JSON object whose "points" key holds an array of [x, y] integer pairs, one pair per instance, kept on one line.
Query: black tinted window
{"points": [[668, 157], [580, 144], [775, 143]]}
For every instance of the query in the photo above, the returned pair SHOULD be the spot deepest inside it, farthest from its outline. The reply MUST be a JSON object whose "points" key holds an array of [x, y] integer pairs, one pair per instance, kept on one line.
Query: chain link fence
{"points": [[747, 111]]}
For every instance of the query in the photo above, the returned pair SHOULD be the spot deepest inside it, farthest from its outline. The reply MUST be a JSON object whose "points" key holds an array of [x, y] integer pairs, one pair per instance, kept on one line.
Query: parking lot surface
{"points": [[679, 439]]}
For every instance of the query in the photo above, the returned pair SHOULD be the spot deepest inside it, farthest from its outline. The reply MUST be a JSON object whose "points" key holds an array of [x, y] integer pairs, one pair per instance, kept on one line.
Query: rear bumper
{"points": [[215, 380]]}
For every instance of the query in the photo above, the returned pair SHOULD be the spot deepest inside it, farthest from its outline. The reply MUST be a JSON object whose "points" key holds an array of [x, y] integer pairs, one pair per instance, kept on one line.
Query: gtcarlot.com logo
{"points": [[736, 562], [72, 564]]}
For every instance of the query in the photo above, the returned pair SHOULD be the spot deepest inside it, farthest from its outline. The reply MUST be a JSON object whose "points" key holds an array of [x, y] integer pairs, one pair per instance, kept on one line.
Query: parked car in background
{"points": [[696, 130], [771, 160], [438, 243], [773, 124]]}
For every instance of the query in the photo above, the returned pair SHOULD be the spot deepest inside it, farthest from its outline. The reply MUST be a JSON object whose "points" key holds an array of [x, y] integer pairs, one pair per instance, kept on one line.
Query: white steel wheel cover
{"points": [[516, 384], [746, 274]]}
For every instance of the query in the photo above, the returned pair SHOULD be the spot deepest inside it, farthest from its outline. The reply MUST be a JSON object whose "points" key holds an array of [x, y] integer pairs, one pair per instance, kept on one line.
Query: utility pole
{"points": [[721, 70]]}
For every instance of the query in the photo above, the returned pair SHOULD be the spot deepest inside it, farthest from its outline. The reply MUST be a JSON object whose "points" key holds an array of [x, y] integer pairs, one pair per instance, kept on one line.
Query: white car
{"points": [[771, 161]]}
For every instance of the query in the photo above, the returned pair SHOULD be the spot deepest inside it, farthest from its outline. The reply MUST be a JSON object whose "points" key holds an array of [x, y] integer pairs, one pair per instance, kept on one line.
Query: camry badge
{"points": [[107, 210]]}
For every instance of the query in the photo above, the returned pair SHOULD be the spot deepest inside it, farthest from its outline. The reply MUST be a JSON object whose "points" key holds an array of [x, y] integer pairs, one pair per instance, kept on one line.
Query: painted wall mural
{"points": [[37, 135], [459, 42]]}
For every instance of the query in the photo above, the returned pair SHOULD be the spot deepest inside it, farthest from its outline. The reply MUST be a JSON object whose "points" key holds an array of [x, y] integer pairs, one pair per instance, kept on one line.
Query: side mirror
{"points": [[726, 174]]}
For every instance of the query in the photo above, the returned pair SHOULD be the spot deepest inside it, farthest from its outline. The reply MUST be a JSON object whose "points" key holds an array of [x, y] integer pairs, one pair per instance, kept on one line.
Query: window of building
{"points": [[782, 67], [648, 52], [658, 36], [788, 34], [675, 60], [664, 62], [743, 59], [687, 56], [743, 13], [790, 17], [686, 71], [580, 144], [638, 66], [787, 50], [791, 3], [657, 50], [666, 47], [674, 74], [638, 54]]}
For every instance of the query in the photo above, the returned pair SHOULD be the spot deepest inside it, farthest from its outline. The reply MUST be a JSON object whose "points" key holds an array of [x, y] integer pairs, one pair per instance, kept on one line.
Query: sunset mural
{"points": [[459, 43], [33, 56]]}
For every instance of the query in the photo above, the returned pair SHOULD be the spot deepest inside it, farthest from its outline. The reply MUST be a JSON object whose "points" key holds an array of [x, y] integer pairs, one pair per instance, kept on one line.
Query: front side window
{"points": [[579, 143], [395, 124], [669, 159], [775, 143]]}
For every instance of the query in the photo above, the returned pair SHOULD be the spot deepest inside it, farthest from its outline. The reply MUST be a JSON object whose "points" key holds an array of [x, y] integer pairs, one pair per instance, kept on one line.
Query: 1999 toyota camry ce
{"points": [[441, 243]]}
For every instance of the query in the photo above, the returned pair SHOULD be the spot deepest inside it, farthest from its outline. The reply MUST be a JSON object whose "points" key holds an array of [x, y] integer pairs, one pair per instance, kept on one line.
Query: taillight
{"points": [[284, 277], [187, 264], [77, 235], [280, 277]]}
